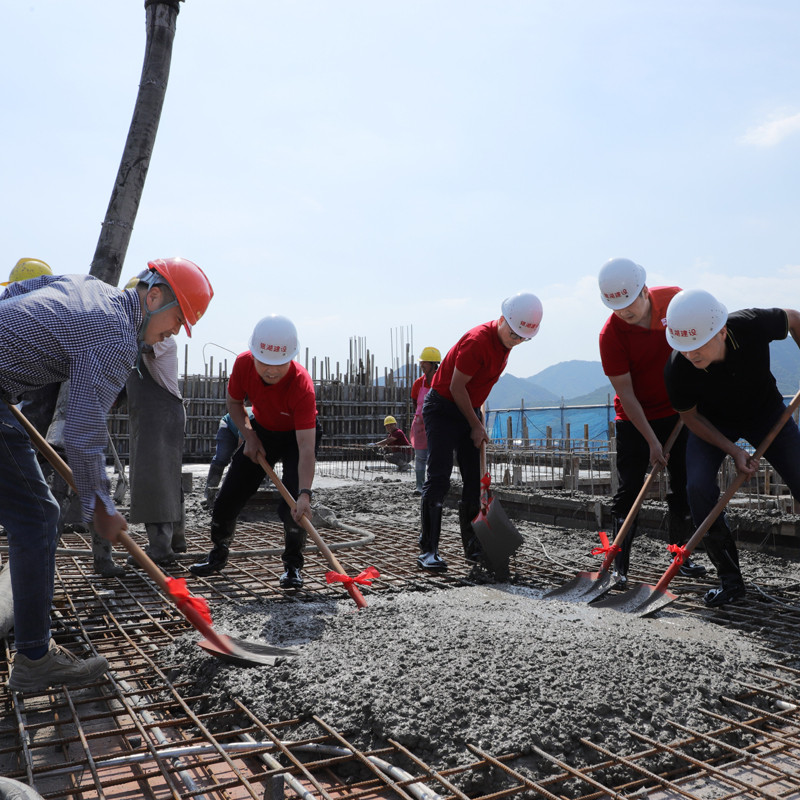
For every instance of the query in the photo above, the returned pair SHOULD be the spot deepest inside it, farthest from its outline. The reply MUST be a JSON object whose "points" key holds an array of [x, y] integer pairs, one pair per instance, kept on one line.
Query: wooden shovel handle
{"points": [[352, 589], [723, 501], [622, 533]]}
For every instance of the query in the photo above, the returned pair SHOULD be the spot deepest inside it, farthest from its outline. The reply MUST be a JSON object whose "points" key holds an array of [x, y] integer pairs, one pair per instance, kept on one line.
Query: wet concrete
{"points": [[495, 666]]}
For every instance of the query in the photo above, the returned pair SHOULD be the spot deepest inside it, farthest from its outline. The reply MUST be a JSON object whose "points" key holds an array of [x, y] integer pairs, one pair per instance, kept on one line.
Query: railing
{"points": [[563, 465]]}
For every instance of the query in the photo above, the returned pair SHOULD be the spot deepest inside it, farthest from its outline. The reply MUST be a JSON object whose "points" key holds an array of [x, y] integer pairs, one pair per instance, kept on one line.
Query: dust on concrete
{"points": [[494, 666]]}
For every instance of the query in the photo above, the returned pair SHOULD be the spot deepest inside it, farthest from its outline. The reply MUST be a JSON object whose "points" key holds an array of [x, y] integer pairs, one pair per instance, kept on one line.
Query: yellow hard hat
{"points": [[27, 268], [430, 354], [390, 420], [132, 283]]}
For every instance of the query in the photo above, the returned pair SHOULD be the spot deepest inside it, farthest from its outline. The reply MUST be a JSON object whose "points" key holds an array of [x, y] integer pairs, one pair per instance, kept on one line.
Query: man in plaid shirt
{"points": [[54, 328]]}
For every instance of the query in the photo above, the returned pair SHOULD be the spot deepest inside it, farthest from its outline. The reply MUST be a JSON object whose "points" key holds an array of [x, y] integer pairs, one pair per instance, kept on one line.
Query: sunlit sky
{"points": [[375, 169]]}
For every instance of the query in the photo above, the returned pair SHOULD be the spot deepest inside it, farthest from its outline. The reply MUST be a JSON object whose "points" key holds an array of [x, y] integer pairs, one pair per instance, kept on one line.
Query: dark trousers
{"points": [[245, 476], [448, 432], [703, 463], [633, 459]]}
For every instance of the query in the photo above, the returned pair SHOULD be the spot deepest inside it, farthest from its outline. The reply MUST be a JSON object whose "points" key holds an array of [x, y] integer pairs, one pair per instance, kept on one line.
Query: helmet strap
{"points": [[151, 279]]}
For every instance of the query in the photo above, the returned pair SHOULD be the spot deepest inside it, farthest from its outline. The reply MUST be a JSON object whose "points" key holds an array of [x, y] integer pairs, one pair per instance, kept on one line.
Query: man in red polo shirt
{"points": [[633, 351], [283, 427], [453, 420]]}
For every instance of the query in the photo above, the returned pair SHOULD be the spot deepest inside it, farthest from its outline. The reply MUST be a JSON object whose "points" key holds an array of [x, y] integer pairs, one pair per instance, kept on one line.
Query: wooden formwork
{"points": [[351, 413]]}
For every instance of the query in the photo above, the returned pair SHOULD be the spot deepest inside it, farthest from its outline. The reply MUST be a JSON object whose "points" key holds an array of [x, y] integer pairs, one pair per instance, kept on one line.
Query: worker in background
{"points": [[27, 268], [72, 326], [454, 423], [40, 413], [633, 351], [283, 428], [157, 427], [227, 440], [719, 380], [429, 360], [397, 449]]}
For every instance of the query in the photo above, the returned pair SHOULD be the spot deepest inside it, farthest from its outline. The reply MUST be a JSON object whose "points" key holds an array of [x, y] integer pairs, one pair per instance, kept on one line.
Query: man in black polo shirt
{"points": [[720, 382]]}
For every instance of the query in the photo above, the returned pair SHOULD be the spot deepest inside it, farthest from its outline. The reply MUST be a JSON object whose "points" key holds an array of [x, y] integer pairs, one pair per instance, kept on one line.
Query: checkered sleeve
{"points": [[93, 388]]}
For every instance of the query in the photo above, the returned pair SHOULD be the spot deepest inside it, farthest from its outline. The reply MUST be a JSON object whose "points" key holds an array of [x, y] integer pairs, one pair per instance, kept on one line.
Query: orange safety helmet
{"points": [[189, 283]]}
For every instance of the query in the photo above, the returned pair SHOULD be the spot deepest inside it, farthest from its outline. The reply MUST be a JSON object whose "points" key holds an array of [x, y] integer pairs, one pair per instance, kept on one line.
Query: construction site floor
{"points": [[140, 732]]}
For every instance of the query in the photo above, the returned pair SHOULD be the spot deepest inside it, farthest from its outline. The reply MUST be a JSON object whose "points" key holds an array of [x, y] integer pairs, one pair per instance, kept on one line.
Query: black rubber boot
{"points": [[431, 531], [294, 538], [472, 546], [680, 529], [623, 558], [721, 549], [221, 536], [424, 529]]}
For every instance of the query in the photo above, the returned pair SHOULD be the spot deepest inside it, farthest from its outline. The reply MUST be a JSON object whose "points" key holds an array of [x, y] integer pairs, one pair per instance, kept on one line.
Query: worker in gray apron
{"points": [[157, 423]]}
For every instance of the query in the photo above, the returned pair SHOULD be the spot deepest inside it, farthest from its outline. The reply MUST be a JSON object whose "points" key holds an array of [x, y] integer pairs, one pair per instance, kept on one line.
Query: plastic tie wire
{"points": [[365, 578], [184, 598], [605, 547], [486, 482], [679, 552]]}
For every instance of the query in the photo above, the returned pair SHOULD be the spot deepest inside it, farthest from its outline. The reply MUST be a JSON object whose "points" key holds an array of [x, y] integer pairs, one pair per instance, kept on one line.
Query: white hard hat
{"points": [[694, 317], [621, 281], [523, 313], [274, 340]]}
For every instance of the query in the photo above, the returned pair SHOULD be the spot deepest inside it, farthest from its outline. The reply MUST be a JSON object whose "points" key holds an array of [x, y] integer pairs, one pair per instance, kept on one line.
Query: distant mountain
{"points": [[571, 378], [600, 396], [582, 383], [577, 382], [510, 391], [784, 361]]}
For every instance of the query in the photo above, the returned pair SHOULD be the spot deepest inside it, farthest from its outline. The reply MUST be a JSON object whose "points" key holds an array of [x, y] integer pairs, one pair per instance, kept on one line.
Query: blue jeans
{"points": [[29, 514], [703, 460], [226, 443], [702, 465]]}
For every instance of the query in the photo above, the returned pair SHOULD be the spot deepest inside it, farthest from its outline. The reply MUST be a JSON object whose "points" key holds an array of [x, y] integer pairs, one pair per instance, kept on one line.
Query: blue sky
{"points": [[369, 168]]}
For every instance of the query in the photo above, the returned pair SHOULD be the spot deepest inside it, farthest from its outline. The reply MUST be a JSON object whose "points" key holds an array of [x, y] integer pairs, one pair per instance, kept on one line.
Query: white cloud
{"points": [[772, 132]]}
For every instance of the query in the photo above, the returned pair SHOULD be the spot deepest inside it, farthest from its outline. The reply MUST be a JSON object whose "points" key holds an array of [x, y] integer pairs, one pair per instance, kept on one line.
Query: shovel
{"points": [[588, 586], [339, 574], [195, 609], [645, 599], [122, 484], [495, 531]]}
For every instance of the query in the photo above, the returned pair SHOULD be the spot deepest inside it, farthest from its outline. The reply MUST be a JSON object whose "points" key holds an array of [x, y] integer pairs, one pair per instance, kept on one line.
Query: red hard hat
{"points": [[190, 285]]}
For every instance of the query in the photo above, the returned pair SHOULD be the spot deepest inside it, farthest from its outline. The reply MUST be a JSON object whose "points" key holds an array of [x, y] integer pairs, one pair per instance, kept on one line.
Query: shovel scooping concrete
{"points": [[588, 586], [498, 537], [339, 574], [195, 609], [645, 599]]}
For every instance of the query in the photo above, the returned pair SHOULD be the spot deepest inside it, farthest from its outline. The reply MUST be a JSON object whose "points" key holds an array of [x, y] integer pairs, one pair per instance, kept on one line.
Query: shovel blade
{"points": [[583, 588], [497, 535], [641, 601], [246, 654]]}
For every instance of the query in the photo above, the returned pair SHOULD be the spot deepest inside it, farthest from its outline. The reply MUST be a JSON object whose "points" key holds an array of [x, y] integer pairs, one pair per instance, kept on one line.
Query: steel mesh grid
{"points": [[96, 731]]}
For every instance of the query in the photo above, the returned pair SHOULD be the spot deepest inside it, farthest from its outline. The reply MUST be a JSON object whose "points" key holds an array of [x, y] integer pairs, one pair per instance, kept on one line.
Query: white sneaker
{"points": [[57, 667]]}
